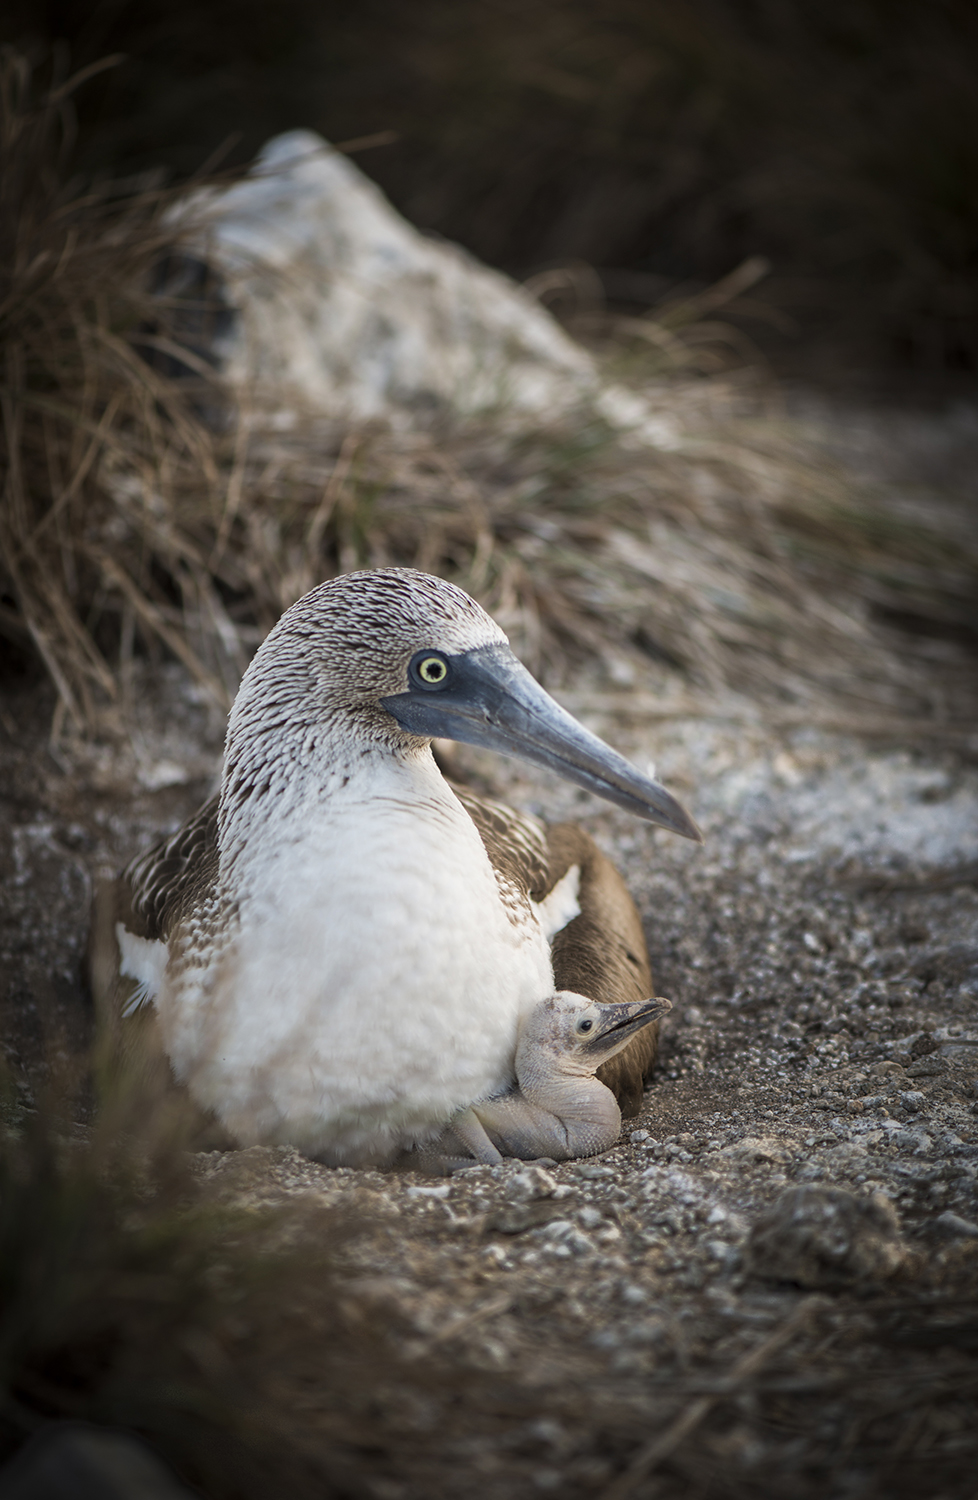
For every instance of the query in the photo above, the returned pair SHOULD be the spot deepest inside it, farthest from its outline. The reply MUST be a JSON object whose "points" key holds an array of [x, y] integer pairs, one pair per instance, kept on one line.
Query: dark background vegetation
{"points": [[661, 141]]}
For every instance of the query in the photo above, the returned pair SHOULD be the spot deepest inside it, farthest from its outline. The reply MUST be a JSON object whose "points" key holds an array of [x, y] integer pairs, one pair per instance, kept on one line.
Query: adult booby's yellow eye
{"points": [[432, 670]]}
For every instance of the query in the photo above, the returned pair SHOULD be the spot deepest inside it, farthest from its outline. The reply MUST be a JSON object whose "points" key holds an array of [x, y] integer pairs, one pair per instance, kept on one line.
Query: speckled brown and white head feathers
{"points": [[321, 672]]}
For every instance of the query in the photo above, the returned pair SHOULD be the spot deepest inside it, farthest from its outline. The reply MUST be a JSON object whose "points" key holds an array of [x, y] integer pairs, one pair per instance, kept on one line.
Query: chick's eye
{"points": [[585, 1025], [432, 670]]}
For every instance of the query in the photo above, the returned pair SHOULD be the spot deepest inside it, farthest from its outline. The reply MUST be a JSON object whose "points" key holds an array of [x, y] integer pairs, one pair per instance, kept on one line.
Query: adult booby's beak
{"points": [[488, 698], [619, 1023]]}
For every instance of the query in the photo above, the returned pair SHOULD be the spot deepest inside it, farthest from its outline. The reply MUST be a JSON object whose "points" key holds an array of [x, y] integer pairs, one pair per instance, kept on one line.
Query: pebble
{"points": [[910, 1140], [759, 1149], [557, 1229], [827, 1237], [929, 1067], [881, 1069], [530, 1184], [951, 1226], [648, 1331]]}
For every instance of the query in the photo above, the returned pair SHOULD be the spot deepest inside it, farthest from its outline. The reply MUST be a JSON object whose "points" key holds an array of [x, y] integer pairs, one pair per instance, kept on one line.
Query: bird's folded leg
{"points": [[445, 1154], [525, 1130], [470, 1130]]}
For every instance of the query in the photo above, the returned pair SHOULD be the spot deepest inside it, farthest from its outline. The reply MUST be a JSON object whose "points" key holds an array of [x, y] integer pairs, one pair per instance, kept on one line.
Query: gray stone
{"points": [[593, 1171], [929, 1067], [530, 1184], [952, 1227], [827, 1237]]}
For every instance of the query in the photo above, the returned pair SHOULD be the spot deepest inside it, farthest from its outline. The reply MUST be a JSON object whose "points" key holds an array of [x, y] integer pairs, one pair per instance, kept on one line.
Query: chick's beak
{"points": [[619, 1023]]}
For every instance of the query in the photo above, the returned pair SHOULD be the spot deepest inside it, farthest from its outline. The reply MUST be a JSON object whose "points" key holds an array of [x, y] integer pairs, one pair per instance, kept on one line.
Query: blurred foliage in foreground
{"points": [[661, 141], [142, 512]]}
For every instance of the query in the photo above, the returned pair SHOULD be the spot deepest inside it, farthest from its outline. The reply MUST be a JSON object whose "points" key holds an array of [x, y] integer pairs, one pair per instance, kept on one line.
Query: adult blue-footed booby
{"points": [[340, 946]]}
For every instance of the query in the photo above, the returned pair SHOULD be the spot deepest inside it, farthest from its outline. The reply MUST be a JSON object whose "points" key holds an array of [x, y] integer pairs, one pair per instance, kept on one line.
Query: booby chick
{"points": [[339, 948], [559, 1109]]}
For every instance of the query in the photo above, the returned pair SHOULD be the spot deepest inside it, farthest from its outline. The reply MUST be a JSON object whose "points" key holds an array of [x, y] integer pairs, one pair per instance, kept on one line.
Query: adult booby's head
{"points": [[396, 658]]}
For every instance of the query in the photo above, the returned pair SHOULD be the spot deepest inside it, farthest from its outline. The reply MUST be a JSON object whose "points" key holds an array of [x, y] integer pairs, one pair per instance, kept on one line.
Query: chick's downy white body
{"points": [[327, 1014]]}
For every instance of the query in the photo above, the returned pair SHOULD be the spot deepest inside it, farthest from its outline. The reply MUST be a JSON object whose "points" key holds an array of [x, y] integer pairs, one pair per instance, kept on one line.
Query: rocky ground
{"points": [[770, 1285]]}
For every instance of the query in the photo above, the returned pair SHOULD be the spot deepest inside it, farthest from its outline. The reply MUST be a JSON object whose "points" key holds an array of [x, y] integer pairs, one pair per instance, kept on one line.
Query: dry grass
{"points": [[143, 512], [77, 397]]}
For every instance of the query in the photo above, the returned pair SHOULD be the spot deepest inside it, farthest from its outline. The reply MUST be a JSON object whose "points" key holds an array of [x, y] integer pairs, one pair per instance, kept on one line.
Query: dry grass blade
{"points": [[749, 1365], [78, 401]]}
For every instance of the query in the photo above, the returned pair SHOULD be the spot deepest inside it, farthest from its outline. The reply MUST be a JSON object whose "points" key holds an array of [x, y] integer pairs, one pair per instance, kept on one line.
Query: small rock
{"points": [[758, 1149], [910, 1140], [881, 1069], [530, 1184], [827, 1237], [518, 1217], [606, 1338], [952, 1227], [929, 1067], [558, 1229], [913, 1100], [638, 1136], [648, 1331], [593, 1171]]}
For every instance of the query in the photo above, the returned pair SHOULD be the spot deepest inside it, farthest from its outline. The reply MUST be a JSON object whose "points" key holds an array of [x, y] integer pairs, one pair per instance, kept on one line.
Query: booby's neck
{"points": [[283, 765], [569, 1090]]}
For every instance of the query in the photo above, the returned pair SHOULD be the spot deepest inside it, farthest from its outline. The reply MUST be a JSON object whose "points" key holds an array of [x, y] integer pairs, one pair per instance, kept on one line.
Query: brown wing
{"points": [[150, 895], [148, 898], [174, 876], [602, 952]]}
